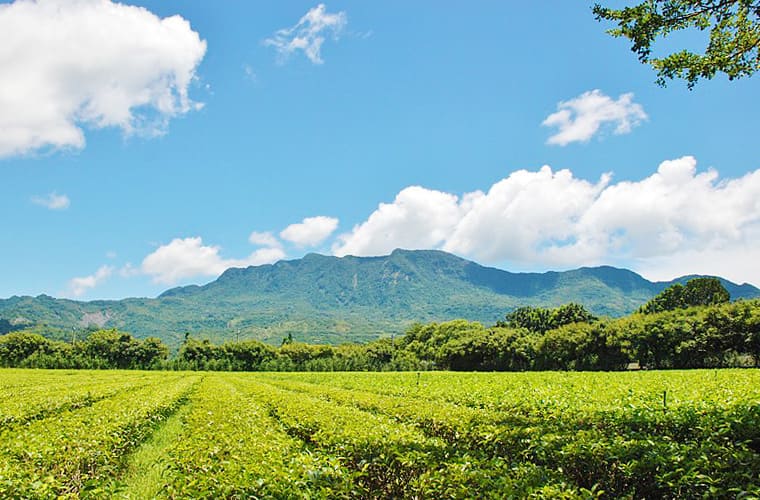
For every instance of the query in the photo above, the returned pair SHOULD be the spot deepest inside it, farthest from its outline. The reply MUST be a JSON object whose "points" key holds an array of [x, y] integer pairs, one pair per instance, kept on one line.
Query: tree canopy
{"points": [[541, 320], [697, 292], [734, 36]]}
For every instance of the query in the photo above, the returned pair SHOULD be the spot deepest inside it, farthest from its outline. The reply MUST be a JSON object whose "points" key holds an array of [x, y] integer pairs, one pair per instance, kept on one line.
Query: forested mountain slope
{"points": [[328, 299]]}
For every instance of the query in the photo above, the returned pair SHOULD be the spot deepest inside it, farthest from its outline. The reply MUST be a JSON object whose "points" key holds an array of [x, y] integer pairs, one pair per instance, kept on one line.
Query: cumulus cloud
{"points": [[525, 214], [184, 258], [579, 119], [68, 64], [418, 218], [551, 218], [52, 201], [311, 231], [264, 239], [78, 286], [308, 34]]}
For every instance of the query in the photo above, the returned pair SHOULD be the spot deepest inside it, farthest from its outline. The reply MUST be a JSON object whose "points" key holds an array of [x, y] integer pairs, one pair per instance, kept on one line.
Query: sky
{"points": [[146, 145]]}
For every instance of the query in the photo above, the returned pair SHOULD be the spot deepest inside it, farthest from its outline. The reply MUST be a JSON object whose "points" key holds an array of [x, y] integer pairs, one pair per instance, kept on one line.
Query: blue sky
{"points": [[155, 151]]}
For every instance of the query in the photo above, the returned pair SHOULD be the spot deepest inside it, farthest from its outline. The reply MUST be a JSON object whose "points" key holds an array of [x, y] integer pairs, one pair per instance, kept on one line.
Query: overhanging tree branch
{"points": [[734, 40]]}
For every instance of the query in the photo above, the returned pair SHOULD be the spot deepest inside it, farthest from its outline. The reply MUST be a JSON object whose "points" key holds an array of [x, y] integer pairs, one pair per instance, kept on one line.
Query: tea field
{"points": [[132, 434]]}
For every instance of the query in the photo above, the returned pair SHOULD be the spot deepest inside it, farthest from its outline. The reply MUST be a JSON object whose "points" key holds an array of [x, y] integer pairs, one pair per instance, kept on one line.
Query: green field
{"points": [[130, 434]]}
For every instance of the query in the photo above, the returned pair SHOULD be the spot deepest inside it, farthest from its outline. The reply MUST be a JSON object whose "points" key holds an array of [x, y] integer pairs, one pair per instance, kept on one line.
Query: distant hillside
{"points": [[329, 299]]}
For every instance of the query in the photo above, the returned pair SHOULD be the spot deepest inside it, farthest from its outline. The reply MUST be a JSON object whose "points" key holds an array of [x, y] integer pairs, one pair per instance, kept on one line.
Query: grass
{"points": [[142, 478]]}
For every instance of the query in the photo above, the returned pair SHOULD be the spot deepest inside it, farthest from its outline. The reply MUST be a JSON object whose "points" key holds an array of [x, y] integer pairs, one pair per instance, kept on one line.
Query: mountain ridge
{"points": [[321, 298]]}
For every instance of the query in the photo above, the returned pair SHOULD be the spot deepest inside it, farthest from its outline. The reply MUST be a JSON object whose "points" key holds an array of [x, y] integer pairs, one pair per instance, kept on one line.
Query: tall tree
{"points": [[697, 292], [705, 292], [541, 320], [734, 36]]}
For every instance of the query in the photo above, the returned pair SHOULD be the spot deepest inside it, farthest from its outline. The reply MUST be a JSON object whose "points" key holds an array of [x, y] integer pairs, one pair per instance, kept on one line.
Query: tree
{"points": [[571, 313], [749, 324], [705, 292], [540, 320], [150, 351], [697, 292], [300, 353], [734, 40], [535, 319], [249, 354], [113, 348], [199, 353], [379, 353], [17, 346]]}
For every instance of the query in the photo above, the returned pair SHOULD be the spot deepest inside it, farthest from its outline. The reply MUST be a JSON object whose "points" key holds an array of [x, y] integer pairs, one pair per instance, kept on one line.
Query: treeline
{"points": [[102, 349], [696, 337], [676, 329]]}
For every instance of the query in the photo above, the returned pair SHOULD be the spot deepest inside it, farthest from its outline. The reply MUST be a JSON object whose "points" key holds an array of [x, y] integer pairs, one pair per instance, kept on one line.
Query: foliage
{"points": [[16, 347], [436, 435], [244, 453], [734, 36], [565, 338], [705, 292], [101, 349], [68, 450], [696, 292], [608, 434], [541, 320]]}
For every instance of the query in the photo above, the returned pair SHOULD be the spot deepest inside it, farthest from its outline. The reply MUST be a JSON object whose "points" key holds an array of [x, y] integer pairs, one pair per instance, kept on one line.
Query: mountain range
{"points": [[325, 299]]}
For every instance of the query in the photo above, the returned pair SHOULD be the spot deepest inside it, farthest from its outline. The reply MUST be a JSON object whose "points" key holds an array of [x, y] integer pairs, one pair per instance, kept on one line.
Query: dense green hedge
{"points": [[720, 335], [101, 349]]}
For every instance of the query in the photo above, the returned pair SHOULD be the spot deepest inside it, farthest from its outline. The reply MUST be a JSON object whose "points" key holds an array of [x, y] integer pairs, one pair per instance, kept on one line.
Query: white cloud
{"points": [[265, 239], [675, 219], [526, 214], [579, 119], [188, 257], [311, 231], [78, 286], [266, 255], [74, 63], [308, 34], [418, 218], [53, 201]]}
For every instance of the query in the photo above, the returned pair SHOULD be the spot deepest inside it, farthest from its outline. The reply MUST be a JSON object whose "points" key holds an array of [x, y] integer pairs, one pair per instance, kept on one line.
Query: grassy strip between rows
{"points": [[77, 452], [143, 473]]}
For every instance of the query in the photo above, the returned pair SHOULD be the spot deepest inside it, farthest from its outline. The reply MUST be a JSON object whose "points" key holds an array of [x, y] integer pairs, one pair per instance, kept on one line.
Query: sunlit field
{"points": [[135, 434]]}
